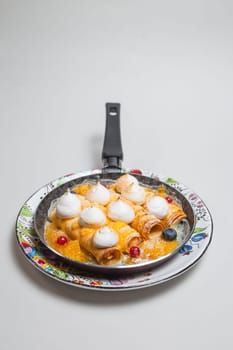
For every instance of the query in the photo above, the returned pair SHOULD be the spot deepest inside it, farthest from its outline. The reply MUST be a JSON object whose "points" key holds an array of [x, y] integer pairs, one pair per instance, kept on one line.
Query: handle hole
{"points": [[113, 111]]}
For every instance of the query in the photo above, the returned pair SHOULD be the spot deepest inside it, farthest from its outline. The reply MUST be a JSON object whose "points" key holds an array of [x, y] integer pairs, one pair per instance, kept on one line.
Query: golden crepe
{"points": [[150, 225], [68, 225], [147, 225], [128, 237], [103, 256], [175, 215]]}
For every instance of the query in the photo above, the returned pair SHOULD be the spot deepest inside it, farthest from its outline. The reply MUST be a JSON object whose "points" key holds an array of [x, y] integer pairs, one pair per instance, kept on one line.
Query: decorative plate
{"points": [[50, 264]]}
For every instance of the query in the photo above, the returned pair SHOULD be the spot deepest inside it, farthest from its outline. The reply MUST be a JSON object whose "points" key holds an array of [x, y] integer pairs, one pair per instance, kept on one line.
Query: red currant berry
{"points": [[62, 240], [169, 199], [134, 252], [136, 171]]}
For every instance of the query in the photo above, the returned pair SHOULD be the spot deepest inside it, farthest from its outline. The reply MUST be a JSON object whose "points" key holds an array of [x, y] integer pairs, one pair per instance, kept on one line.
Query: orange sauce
{"points": [[71, 249], [160, 248]]}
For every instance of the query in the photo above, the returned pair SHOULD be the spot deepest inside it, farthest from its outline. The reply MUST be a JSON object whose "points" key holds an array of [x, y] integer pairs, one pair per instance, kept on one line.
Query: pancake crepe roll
{"points": [[147, 225], [68, 225], [175, 215], [128, 237], [104, 256]]}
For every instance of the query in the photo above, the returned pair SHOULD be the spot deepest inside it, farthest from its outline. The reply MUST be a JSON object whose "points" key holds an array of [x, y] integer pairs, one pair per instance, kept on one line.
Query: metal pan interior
{"points": [[41, 215]]}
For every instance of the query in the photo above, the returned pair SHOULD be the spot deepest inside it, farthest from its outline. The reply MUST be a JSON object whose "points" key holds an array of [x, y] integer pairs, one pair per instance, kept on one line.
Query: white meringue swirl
{"points": [[125, 181], [157, 206], [134, 193], [98, 194], [105, 237], [119, 210], [68, 205], [92, 216]]}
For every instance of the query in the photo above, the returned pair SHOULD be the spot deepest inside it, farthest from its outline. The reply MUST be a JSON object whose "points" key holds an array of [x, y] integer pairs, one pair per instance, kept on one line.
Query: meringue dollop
{"points": [[157, 206], [68, 205], [105, 237], [98, 194], [134, 193], [125, 181], [92, 216], [121, 211]]}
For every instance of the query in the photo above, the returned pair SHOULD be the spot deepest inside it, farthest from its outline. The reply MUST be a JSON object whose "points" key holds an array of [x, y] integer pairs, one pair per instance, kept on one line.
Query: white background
{"points": [[170, 65]]}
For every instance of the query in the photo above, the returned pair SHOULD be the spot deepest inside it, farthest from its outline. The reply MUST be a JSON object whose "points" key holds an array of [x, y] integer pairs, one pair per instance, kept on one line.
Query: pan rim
{"points": [[113, 269]]}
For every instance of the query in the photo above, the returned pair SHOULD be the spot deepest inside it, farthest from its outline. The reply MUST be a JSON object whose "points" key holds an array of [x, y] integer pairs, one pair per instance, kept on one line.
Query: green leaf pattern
{"points": [[199, 229], [170, 181], [26, 211]]}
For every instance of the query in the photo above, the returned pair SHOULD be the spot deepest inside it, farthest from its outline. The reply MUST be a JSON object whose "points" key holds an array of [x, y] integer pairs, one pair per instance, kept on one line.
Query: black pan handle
{"points": [[112, 154]]}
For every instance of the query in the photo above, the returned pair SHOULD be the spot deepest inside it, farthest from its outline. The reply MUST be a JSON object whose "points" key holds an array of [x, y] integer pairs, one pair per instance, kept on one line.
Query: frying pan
{"points": [[112, 156]]}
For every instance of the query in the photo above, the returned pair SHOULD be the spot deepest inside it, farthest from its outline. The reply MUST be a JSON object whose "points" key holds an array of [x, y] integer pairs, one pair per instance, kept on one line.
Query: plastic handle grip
{"points": [[112, 153]]}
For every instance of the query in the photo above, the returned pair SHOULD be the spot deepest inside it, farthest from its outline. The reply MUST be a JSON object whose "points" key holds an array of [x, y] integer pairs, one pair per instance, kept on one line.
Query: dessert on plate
{"points": [[116, 223]]}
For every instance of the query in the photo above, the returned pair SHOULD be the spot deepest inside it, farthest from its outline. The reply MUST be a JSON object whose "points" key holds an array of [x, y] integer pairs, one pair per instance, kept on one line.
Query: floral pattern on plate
{"points": [[50, 264]]}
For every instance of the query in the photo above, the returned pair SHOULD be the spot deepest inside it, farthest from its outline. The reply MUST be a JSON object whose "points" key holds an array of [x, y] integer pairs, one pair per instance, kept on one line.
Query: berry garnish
{"points": [[169, 234], [168, 199], [62, 240], [136, 171], [134, 252]]}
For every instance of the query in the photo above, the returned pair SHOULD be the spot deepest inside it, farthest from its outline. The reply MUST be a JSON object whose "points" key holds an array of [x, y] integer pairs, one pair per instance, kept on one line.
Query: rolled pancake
{"points": [[175, 215], [128, 237], [147, 225], [103, 256], [70, 249], [70, 225]]}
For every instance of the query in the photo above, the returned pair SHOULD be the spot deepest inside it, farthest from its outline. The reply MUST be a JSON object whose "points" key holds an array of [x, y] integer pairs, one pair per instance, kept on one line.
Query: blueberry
{"points": [[169, 234]]}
